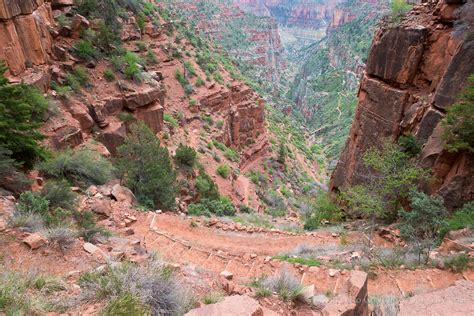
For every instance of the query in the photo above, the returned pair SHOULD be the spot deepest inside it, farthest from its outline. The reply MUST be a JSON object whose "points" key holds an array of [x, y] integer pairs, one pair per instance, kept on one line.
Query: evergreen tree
{"points": [[21, 110], [459, 122], [147, 169]]}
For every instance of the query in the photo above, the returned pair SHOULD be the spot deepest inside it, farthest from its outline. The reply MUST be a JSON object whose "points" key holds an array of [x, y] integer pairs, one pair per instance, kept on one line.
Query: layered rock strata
{"points": [[414, 72]]}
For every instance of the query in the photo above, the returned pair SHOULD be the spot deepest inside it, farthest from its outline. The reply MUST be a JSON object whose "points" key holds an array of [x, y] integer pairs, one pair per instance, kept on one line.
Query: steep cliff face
{"points": [[306, 13], [24, 33], [252, 39], [414, 72]]}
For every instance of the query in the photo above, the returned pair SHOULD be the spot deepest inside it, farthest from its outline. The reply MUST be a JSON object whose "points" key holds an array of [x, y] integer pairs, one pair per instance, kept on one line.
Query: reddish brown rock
{"points": [[35, 241], [454, 300], [152, 116], [67, 136], [123, 194], [113, 136], [146, 96], [237, 305], [353, 299], [415, 71]]}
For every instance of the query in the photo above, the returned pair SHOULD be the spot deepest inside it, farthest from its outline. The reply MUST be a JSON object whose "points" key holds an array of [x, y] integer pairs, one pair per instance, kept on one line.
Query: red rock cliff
{"points": [[24, 33], [414, 72]]}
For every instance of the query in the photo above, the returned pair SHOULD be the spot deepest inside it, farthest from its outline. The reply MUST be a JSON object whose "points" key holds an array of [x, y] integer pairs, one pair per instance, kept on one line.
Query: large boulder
{"points": [[237, 305], [453, 301], [123, 194], [353, 300]]}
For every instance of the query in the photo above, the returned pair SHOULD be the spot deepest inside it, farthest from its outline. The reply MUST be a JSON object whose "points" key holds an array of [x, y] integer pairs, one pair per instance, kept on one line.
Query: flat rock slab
{"points": [[453, 301], [237, 305]]}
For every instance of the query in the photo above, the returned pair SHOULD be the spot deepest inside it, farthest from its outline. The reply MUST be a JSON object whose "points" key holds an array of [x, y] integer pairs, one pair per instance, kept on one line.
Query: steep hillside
{"points": [[415, 71], [325, 84]]}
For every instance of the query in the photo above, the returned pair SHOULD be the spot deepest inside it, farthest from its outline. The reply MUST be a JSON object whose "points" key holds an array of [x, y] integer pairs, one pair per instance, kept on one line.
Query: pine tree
{"points": [[21, 110], [147, 169]]}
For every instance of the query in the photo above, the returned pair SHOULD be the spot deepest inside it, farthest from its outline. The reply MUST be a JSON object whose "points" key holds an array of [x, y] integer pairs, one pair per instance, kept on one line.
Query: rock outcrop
{"points": [[24, 33], [414, 72], [353, 300], [453, 300], [233, 305], [244, 114]]}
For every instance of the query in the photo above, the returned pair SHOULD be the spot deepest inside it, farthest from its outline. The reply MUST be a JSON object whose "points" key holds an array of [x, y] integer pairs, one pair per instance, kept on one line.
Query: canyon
{"points": [[261, 112]]}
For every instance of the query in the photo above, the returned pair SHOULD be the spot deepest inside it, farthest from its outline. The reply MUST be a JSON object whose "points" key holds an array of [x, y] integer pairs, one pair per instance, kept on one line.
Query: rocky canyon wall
{"points": [[305, 13], [25, 40], [414, 72]]}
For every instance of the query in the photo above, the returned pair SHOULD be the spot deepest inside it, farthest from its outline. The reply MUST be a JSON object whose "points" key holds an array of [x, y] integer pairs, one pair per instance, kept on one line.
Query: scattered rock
{"points": [[308, 292], [332, 272], [101, 207], [35, 241], [90, 248], [129, 231], [227, 275], [123, 194]]}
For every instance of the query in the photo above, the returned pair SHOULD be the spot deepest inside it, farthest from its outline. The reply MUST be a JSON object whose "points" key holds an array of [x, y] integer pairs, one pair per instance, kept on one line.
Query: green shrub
{"points": [[206, 187], [212, 298], [462, 218], [286, 285], [27, 294], [409, 145], [126, 117], [77, 79], [185, 155], [85, 50], [399, 8], [141, 45], [459, 263], [322, 209], [147, 169], [150, 57], [181, 78], [59, 194], [188, 89], [125, 304], [170, 119], [391, 174], [200, 82], [422, 224], [148, 289], [34, 203], [232, 155], [206, 207], [30, 202], [218, 77], [109, 75], [82, 167], [11, 178], [192, 102], [190, 68], [21, 115], [458, 124], [223, 171]]}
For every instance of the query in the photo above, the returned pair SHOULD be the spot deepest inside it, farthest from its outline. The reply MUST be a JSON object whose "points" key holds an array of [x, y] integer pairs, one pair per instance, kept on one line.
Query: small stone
{"points": [[35, 241], [332, 273], [129, 231], [267, 259], [334, 235], [90, 248], [227, 275], [253, 255]]}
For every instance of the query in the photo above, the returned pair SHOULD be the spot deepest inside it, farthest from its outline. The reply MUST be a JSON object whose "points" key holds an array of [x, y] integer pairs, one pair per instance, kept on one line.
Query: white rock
{"points": [[227, 275], [90, 248], [332, 272]]}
